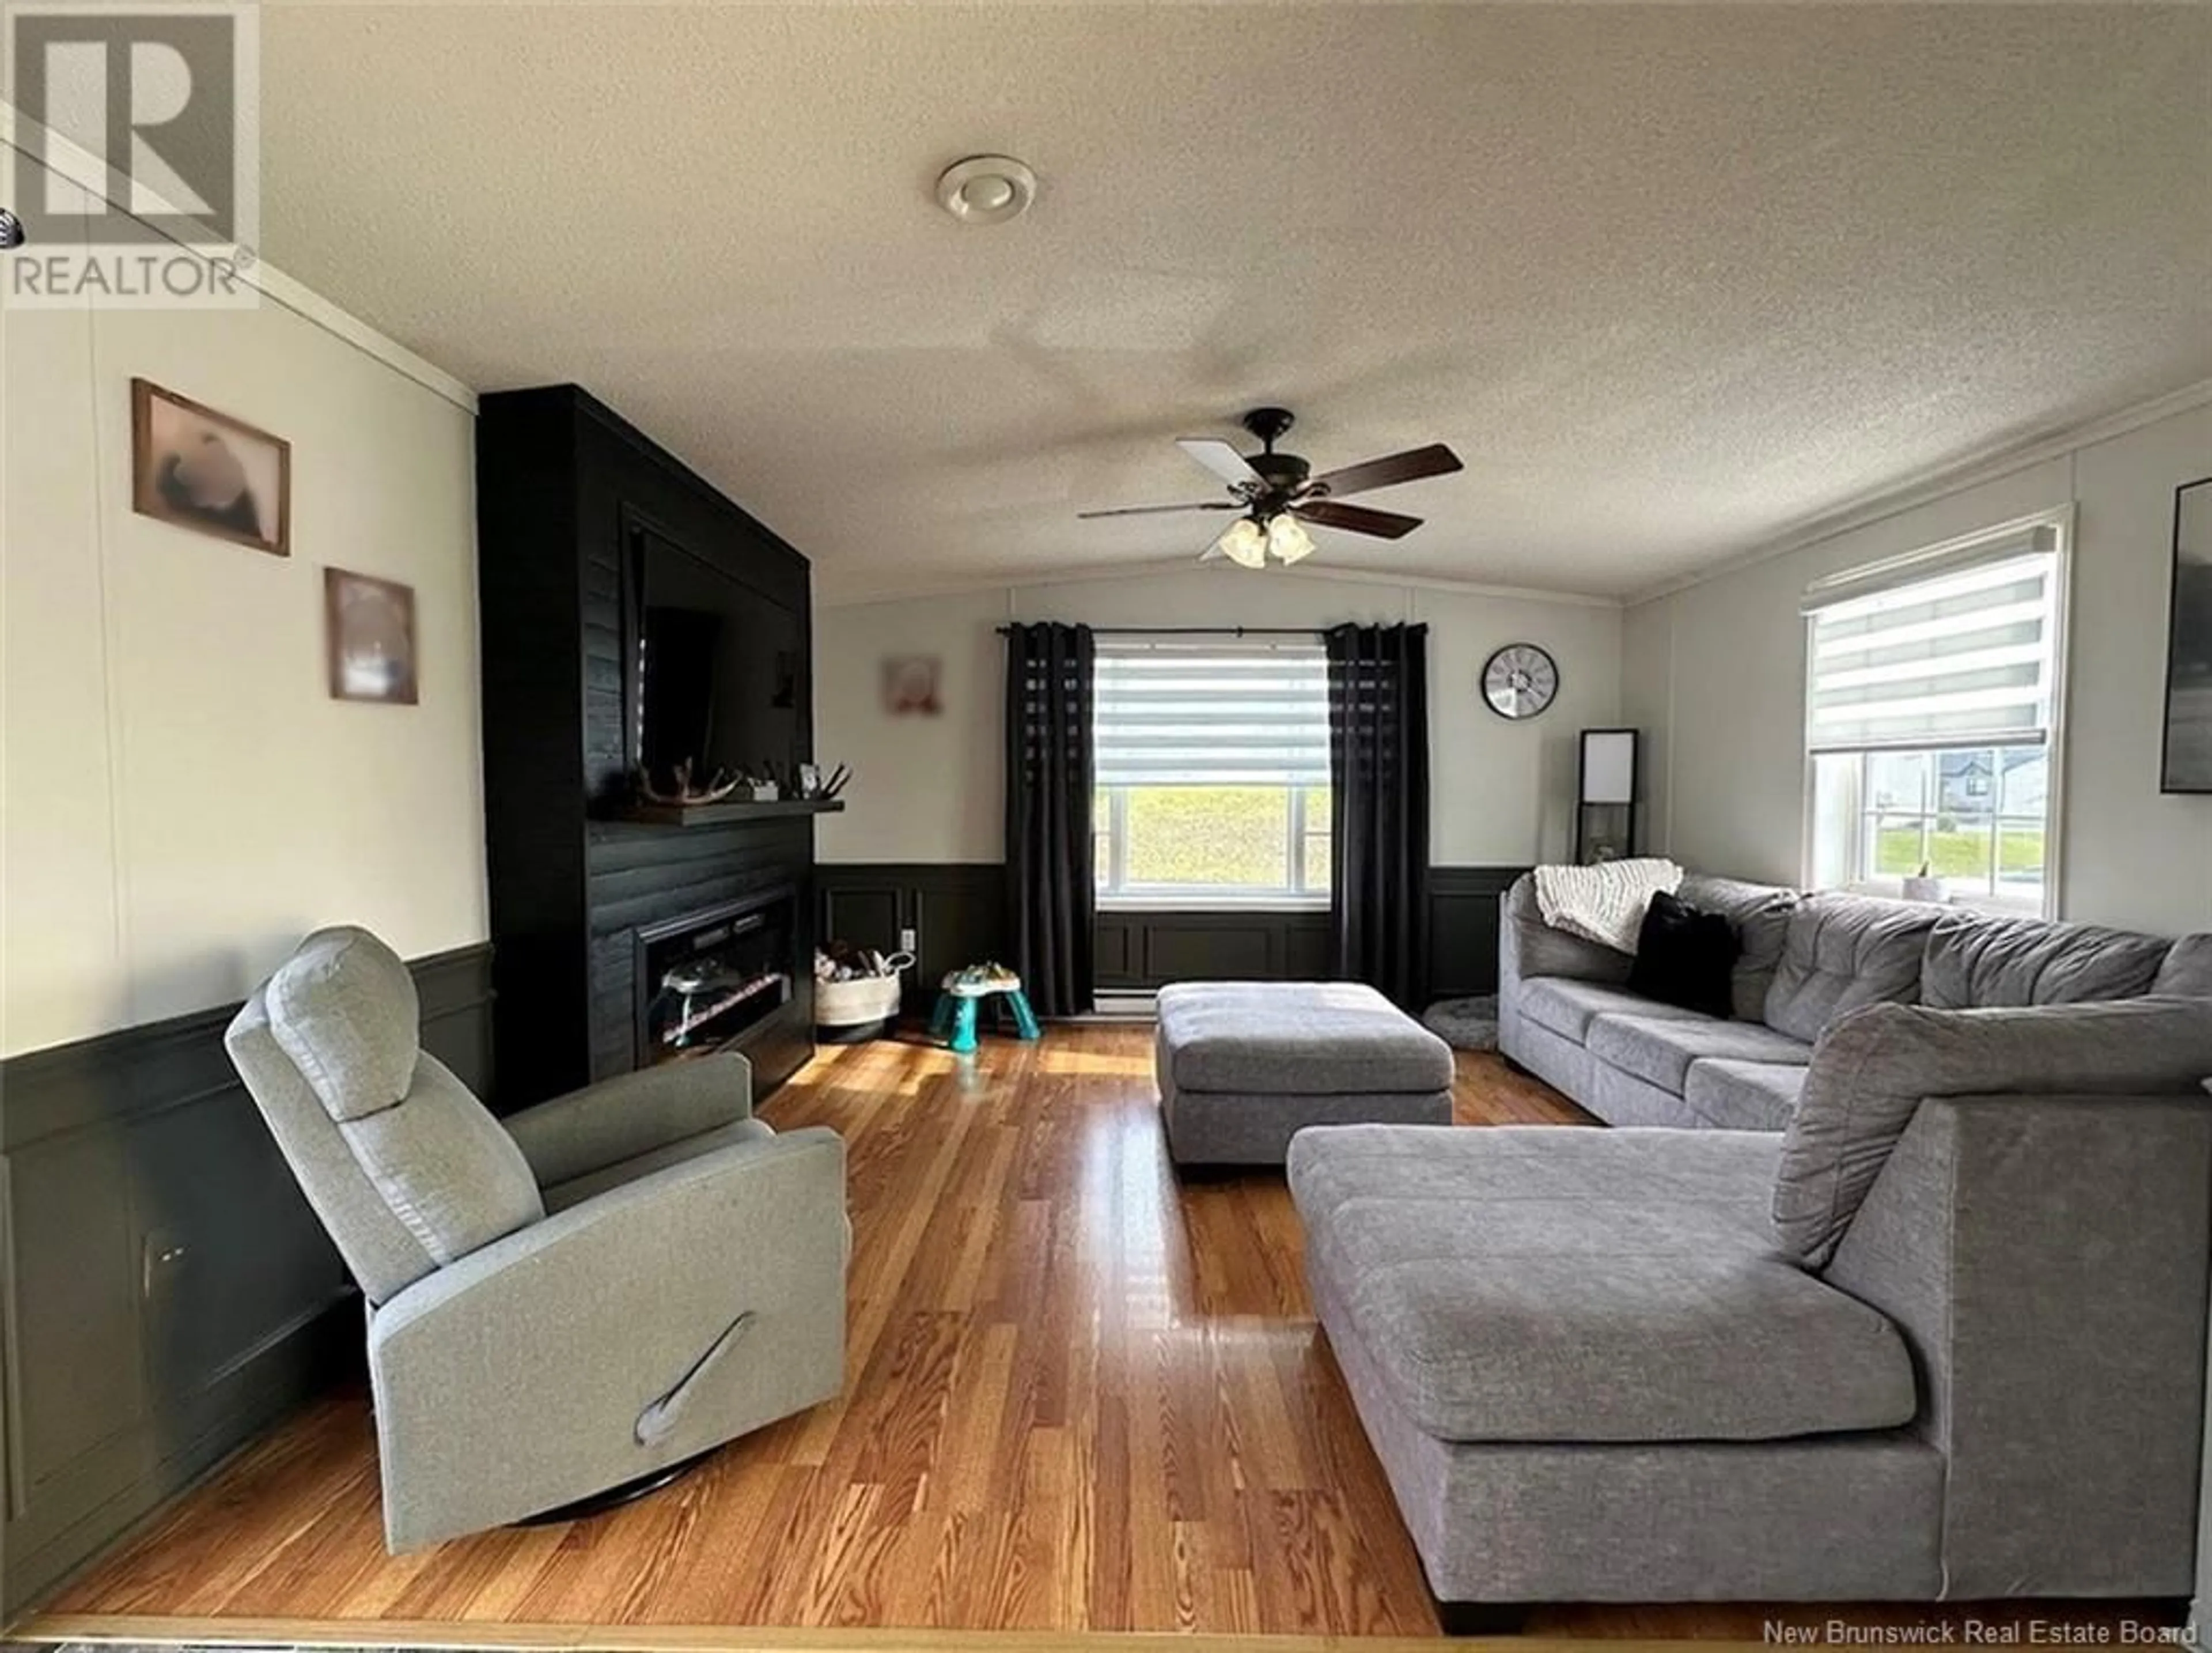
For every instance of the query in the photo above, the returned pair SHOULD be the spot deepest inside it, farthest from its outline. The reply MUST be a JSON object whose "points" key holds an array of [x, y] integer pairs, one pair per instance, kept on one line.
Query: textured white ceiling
{"points": [[1670, 278]]}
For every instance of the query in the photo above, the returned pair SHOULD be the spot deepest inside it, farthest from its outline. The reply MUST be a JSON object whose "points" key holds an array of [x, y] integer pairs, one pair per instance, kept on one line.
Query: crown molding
{"points": [[1446, 583], [89, 171], [1938, 481], [1152, 569]]}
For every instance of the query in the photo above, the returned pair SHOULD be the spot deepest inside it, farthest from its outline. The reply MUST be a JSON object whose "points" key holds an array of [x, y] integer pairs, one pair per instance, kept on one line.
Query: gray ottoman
{"points": [[1243, 1065]]}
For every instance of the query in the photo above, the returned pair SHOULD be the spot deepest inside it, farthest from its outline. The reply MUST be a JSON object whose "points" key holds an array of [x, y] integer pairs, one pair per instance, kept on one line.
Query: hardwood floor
{"points": [[1081, 1397]]}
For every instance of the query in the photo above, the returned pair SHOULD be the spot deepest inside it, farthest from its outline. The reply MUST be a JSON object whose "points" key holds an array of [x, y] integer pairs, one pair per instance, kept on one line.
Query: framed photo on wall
{"points": [[911, 685], [369, 637], [2188, 745], [209, 473]]}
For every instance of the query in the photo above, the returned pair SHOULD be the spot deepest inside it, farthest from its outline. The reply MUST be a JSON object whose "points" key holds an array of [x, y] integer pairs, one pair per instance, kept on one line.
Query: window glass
{"points": [[1208, 837]]}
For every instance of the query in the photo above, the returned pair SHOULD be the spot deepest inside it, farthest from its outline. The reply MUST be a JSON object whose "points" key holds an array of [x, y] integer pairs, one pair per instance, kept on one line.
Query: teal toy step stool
{"points": [[960, 994]]}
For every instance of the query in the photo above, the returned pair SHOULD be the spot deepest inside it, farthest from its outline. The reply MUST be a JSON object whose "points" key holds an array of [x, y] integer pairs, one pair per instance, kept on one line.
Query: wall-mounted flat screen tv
{"points": [[718, 669]]}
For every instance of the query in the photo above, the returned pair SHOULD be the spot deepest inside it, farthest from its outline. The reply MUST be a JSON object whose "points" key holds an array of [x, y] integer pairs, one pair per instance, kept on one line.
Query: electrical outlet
{"points": [[160, 1260], [905, 941]]}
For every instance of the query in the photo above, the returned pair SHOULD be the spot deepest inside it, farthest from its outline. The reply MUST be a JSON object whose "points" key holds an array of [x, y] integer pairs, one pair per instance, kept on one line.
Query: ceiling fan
{"points": [[1275, 495]]}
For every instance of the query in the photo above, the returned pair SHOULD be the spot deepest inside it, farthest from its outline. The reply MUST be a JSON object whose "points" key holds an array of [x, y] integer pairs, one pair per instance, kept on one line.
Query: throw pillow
{"points": [[1685, 956]]}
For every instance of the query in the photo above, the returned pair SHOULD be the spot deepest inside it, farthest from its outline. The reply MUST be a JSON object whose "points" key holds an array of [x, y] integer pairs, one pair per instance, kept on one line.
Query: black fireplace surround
{"points": [[586, 904]]}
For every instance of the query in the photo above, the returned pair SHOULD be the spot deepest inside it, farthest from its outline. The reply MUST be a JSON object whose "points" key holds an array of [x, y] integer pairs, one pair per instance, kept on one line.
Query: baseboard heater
{"points": [[1122, 1005]]}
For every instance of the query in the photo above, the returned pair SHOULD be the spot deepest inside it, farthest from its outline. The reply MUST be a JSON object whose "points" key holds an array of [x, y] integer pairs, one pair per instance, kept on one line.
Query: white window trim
{"points": [[1936, 560], [1892, 889], [1187, 898]]}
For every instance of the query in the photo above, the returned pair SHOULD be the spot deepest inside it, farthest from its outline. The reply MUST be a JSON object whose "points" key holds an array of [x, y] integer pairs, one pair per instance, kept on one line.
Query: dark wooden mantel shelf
{"points": [[730, 812]]}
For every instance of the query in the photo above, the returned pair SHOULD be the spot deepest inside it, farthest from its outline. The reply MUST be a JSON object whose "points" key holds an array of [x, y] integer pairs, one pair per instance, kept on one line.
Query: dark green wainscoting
{"points": [[165, 1292], [956, 912]]}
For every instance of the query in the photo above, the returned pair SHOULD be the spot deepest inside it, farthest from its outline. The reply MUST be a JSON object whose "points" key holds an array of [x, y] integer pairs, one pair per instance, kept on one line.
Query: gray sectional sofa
{"points": [[1566, 1015], [1941, 1336]]}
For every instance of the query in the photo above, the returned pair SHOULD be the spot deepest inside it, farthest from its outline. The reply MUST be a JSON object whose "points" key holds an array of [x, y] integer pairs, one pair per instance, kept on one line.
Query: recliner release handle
{"points": [[658, 1417]]}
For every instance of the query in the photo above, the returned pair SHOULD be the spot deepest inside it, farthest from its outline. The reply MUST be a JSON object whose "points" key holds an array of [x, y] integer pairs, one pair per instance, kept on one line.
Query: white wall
{"points": [[181, 798], [1716, 672], [932, 789]]}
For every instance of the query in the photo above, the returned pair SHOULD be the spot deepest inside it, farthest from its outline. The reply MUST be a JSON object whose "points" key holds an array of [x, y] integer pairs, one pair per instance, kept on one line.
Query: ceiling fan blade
{"points": [[1415, 463], [1157, 510], [1358, 518], [1217, 456]]}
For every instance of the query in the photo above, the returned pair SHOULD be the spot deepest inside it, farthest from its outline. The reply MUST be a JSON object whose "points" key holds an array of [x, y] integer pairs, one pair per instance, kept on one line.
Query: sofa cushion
{"points": [[1295, 1038], [444, 1166], [1544, 1283], [1972, 960], [2187, 971], [1872, 1070], [344, 1009], [1533, 948], [1740, 1095], [1619, 1098], [1761, 915], [1842, 951], [1566, 1007], [1660, 1049]]}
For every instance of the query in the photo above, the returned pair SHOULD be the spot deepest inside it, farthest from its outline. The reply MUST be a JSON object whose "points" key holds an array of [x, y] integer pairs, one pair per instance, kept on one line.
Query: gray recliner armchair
{"points": [[563, 1301]]}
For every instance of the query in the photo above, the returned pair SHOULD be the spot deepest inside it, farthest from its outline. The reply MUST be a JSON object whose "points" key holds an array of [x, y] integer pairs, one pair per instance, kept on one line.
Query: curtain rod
{"points": [[1196, 631]]}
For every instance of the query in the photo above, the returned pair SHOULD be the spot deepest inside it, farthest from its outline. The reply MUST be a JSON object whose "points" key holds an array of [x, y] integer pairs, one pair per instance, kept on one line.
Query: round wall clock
{"points": [[1519, 681]]}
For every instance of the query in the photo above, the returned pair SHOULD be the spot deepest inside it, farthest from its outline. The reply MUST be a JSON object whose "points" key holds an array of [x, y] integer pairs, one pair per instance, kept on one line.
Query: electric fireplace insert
{"points": [[708, 977]]}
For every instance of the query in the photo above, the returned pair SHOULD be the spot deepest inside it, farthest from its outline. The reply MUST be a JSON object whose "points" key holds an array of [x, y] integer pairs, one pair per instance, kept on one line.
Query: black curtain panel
{"points": [[1049, 768], [1378, 741]]}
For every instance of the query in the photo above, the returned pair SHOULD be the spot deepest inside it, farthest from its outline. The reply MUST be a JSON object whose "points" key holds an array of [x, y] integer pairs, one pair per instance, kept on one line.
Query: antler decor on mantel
{"points": [[719, 786], [729, 795]]}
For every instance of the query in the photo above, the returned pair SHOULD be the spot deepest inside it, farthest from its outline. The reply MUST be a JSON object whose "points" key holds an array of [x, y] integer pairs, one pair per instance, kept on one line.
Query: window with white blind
{"points": [[1213, 772], [1932, 702]]}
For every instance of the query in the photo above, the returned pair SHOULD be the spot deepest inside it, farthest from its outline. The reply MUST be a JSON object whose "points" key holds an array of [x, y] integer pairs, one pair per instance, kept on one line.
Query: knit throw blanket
{"points": [[1604, 903]]}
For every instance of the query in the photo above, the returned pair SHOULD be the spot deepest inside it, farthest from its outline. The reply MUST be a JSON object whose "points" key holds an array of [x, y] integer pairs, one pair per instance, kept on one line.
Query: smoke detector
{"points": [[987, 189]]}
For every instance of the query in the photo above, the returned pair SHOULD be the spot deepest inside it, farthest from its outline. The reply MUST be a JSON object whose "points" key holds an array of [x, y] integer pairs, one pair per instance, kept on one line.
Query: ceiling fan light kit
{"points": [[1287, 540], [1244, 543], [1277, 494]]}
